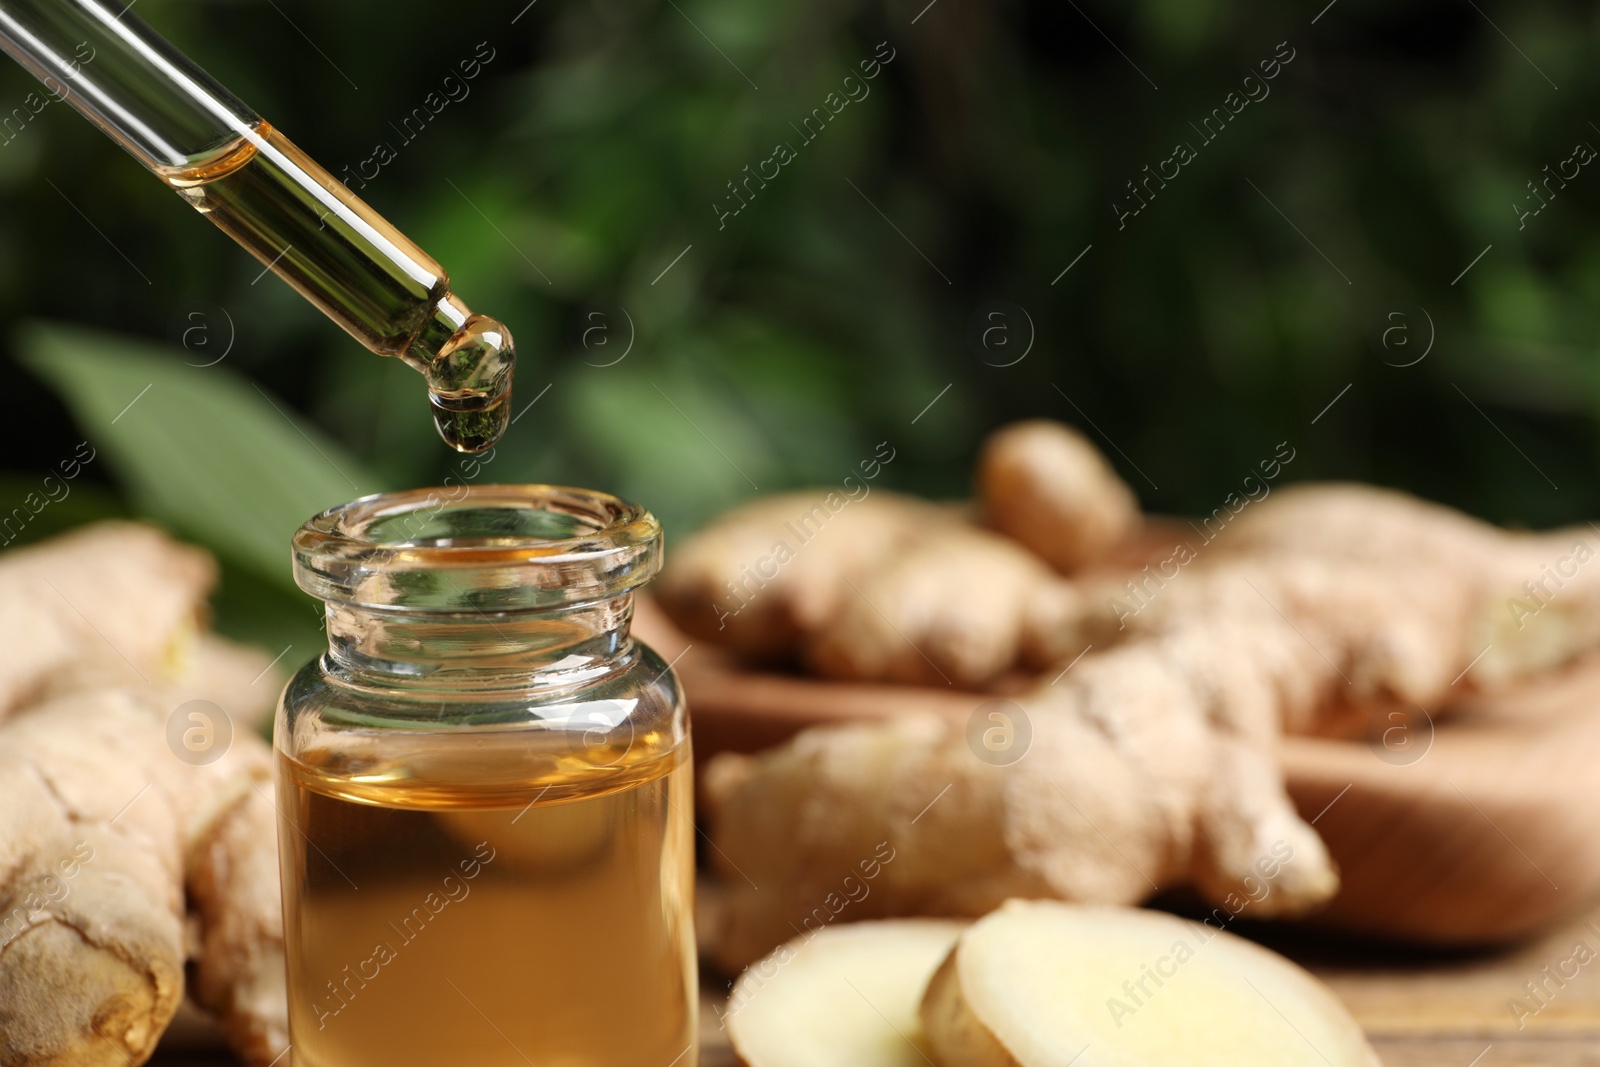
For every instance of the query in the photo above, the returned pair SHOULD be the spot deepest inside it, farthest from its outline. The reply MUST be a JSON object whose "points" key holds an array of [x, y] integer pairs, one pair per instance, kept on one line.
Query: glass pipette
{"points": [[272, 198]]}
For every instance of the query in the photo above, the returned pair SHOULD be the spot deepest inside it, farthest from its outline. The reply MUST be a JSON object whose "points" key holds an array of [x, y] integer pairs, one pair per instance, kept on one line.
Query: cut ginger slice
{"points": [[844, 996], [1046, 984]]}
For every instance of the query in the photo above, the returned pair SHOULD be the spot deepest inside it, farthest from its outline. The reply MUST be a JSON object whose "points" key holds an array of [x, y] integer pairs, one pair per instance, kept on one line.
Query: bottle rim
{"points": [[473, 550]]}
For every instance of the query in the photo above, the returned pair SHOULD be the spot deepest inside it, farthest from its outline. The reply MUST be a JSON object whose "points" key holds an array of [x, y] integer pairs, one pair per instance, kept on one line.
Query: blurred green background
{"points": [[827, 315]]}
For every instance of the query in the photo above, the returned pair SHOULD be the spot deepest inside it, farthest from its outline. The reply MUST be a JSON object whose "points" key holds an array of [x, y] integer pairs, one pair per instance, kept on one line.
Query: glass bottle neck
{"points": [[481, 651]]}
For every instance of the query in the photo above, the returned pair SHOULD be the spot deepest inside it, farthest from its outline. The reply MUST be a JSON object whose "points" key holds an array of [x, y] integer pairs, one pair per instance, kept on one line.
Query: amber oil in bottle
{"points": [[528, 912]]}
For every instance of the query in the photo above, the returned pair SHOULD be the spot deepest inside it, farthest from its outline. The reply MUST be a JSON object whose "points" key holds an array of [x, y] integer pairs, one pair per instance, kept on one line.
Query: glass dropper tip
{"points": [[469, 384]]}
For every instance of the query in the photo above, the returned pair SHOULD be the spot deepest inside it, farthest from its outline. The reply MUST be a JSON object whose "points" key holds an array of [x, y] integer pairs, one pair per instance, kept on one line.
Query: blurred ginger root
{"points": [[1045, 486], [1530, 601], [887, 587], [121, 858], [1412, 601], [1150, 764], [1157, 723], [109, 597]]}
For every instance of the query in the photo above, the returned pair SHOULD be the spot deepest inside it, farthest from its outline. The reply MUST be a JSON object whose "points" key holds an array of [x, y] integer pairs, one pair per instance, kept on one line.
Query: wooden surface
{"points": [[1420, 1011], [1450, 1009]]}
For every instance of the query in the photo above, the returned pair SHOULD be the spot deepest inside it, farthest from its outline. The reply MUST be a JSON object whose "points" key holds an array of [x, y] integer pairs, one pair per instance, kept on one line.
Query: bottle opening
{"points": [[477, 549]]}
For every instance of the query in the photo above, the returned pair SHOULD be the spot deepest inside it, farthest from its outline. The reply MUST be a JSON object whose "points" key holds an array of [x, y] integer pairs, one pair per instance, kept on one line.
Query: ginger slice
{"points": [[841, 995], [1045, 984], [115, 597]]}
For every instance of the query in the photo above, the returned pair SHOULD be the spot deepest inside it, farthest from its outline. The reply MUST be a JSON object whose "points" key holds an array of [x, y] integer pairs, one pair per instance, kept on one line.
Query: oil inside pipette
{"points": [[366, 275]]}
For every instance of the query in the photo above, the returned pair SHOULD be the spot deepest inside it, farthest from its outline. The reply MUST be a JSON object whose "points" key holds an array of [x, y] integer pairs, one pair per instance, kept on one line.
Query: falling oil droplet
{"points": [[469, 384], [472, 430]]}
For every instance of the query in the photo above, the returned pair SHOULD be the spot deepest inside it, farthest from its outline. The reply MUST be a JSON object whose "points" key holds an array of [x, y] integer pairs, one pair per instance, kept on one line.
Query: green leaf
{"points": [[197, 448]]}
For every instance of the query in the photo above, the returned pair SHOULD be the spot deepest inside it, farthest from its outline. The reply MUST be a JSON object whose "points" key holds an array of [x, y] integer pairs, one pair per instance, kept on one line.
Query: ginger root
{"points": [[1144, 768], [1531, 601], [1041, 984], [1153, 759], [1162, 738], [840, 996], [1403, 600], [951, 609], [1044, 485], [891, 588], [884, 587], [107, 828], [120, 859], [115, 596]]}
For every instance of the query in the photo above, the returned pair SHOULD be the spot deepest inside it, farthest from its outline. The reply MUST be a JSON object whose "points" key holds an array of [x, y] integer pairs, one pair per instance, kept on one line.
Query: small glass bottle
{"points": [[484, 785]]}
